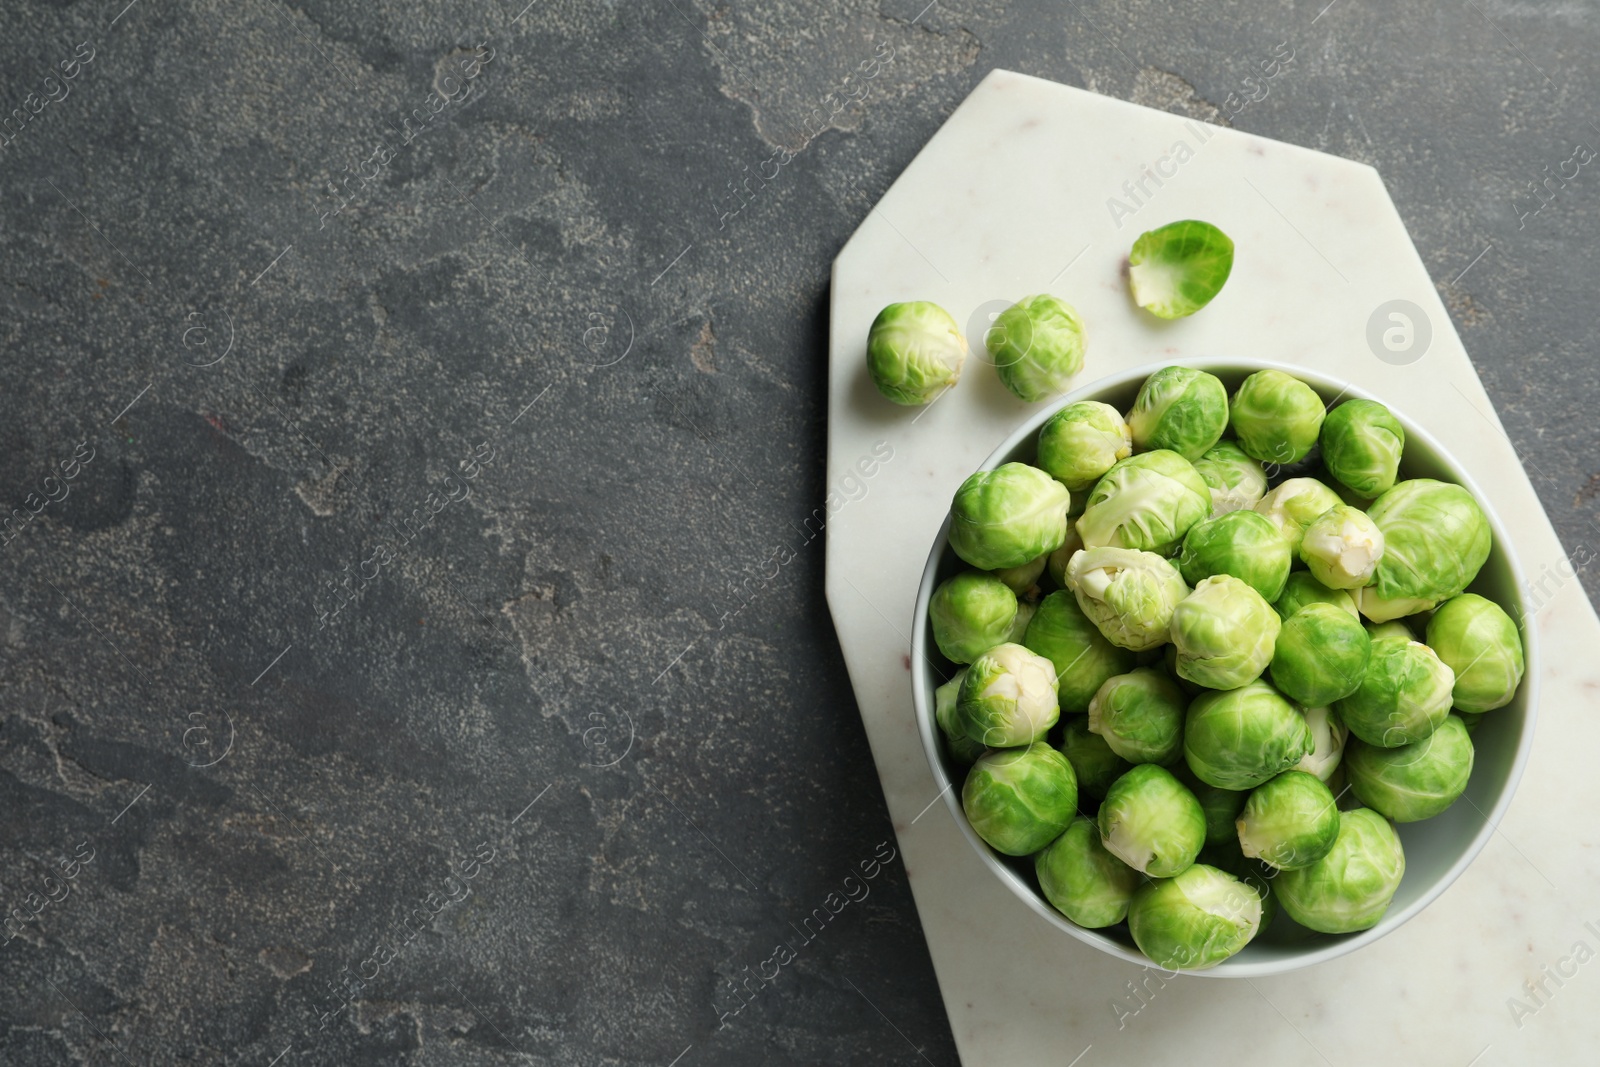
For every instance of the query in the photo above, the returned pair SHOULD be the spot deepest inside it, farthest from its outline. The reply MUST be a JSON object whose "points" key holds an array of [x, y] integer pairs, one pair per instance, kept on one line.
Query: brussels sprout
{"points": [[1275, 417], [1129, 595], [1221, 808], [1020, 800], [1079, 443], [1302, 589], [1320, 656], [963, 749], [1091, 757], [914, 352], [1175, 270], [1237, 482], [1292, 506], [1241, 738], [1007, 517], [1224, 632], [1361, 446], [970, 613], [1194, 921], [1082, 880], [1082, 657], [1140, 714], [1021, 580], [1019, 627], [1435, 539], [1470, 719], [1151, 822], [1478, 641], [1008, 698], [1037, 346], [1328, 737], [1289, 822], [1147, 502], [1342, 547], [1415, 781], [1226, 857], [1350, 888], [1403, 697], [1392, 628], [1241, 543], [1180, 409]]}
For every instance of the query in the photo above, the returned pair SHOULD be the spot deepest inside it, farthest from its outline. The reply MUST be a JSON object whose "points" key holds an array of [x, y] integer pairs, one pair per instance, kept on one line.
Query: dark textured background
{"points": [[565, 235]]}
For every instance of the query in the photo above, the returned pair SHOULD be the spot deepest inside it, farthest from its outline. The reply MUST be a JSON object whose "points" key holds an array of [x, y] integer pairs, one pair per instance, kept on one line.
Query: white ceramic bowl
{"points": [[1437, 850]]}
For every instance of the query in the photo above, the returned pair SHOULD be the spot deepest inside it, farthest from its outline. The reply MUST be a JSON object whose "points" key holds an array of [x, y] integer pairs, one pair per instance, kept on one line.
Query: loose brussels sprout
{"points": [[1224, 632], [1082, 657], [1289, 822], [1361, 446], [1478, 641], [1056, 562], [970, 613], [1194, 921], [1079, 443], [1008, 698], [1021, 580], [1037, 346], [1328, 737], [1180, 409], [1241, 738], [1146, 502], [1140, 714], [1241, 543], [1226, 857], [1151, 822], [1221, 808], [1302, 589], [1435, 540], [1082, 880], [1237, 482], [1091, 757], [1020, 800], [1392, 628], [963, 749], [1415, 781], [914, 352], [1292, 506], [1320, 656], [1403, 697], [1008, 516], [1342, 547], [1350, 888], [1175, 270], [1275, 417], [1129, 595]]}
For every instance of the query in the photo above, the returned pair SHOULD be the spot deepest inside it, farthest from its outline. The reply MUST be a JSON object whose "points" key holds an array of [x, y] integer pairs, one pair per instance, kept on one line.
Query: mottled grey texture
{"points": [[564, 236]]}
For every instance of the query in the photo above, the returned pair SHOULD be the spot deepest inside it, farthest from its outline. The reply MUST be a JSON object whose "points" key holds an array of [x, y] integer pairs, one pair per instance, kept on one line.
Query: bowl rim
{"points": [[922, 691]]}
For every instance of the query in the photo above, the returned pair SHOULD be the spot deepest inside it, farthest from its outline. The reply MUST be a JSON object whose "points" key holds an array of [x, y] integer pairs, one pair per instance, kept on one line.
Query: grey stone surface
{"points": [[556, 266]]}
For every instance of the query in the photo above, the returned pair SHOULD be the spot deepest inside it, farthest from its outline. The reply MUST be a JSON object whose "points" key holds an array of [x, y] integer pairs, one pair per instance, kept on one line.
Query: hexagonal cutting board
{"points": [[1032, 186]]}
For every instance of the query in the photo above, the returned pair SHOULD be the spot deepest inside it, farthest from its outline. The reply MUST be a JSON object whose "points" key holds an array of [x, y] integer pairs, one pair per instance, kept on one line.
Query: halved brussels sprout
{"points": [[1224, 632], [1292, 506], [1241, 543], [1037, 346], [1361, 446], [1082, 657], [1342, 547], [963, 749], [1289, 822], [1195, 920], [1320, 656], [914, 352], [1151, 822], [1350, 888], [1009, 516], [1403, 697], [1079, 443], [1181, 409], [1129, 595], [1140, 714], [1221, 808], [1478, 641], [1019, 800], [1082, 880], [970, 613], [1240, 738], [1302, 589], [1146, 502], [1176, 269], [1328, 737], [1091, 757], [1275, 417], [1436, 538], [1415, 781], [1237, 482], [1008, 698]]}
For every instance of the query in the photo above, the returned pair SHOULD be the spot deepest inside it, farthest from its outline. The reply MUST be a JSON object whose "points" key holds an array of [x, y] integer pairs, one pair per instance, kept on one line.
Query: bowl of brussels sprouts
{"points": [[1225, 666]]}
